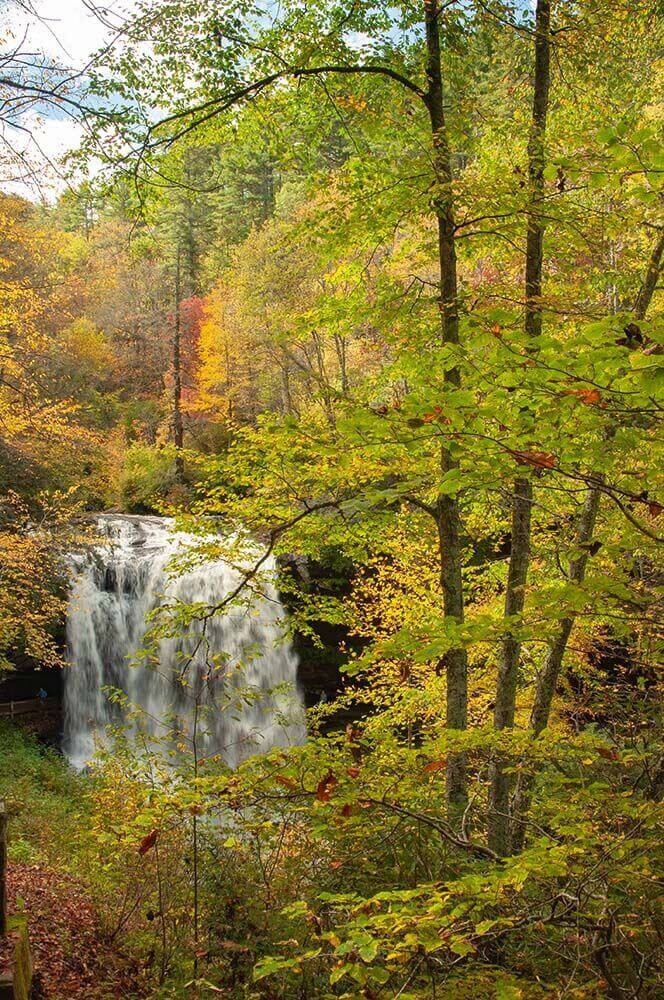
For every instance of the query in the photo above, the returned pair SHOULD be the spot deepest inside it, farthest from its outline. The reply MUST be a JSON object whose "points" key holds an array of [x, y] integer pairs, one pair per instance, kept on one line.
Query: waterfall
{"points": [[239, 677]]}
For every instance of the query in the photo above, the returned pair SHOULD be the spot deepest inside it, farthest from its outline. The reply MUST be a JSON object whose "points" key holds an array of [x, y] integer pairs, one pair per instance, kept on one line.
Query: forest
{"points": [[331, 500]]}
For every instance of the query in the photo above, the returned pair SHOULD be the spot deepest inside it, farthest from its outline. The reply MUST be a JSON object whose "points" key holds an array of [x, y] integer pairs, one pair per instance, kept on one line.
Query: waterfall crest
{"points": [[235, 667]]}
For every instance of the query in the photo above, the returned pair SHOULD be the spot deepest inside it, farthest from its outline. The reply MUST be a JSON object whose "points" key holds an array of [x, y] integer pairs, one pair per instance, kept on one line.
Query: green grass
{"points": [[46, 800]]}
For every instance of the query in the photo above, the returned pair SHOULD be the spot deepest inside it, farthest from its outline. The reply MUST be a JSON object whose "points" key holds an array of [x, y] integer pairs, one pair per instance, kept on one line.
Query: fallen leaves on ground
{"points": [[74, 959]]}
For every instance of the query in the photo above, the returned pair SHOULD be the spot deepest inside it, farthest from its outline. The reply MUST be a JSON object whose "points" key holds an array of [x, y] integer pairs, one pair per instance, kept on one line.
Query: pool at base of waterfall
{"points": [[230, 685]]}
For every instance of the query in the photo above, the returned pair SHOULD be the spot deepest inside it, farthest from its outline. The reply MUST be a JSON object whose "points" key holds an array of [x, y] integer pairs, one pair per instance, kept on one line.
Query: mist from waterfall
{"points": [[241, 673]]}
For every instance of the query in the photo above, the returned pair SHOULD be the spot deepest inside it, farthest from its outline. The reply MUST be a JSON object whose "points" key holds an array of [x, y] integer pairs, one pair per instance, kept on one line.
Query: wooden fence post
{"points": [[3, 868]]}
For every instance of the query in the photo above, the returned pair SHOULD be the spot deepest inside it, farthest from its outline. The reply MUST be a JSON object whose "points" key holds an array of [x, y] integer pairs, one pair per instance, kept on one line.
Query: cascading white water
{"points": [[239, 678]]}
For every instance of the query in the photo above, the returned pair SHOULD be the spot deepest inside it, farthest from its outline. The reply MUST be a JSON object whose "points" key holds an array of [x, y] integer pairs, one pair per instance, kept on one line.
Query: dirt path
{"points": [[73, 957]]}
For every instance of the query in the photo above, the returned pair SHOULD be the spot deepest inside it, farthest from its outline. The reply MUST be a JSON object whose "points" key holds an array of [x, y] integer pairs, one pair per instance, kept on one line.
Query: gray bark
{"points": [[455, 662], [177, 375], [522, 500], [548, 677], [535, 233], [508, 668], [650, 281]]}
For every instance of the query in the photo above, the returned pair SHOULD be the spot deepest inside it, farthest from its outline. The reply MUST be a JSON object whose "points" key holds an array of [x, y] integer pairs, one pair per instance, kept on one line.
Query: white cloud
{"points": [[67, 32], [40, 171]]}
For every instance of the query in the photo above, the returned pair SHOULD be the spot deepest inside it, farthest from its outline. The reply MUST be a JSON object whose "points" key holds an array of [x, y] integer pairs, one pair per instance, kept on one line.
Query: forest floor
{"points": [[74, 957]]}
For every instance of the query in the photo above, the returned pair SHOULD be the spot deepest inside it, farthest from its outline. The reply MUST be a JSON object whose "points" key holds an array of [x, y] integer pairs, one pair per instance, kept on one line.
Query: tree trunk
{"points": [[548, 677], [177, 376], [455, 662], [522, 497], [535, 233], [508, 668], [650, 280]]}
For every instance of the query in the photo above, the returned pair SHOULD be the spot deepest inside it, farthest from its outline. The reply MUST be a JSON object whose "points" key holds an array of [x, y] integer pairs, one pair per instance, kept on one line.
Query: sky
{"points": [[67, 32]]}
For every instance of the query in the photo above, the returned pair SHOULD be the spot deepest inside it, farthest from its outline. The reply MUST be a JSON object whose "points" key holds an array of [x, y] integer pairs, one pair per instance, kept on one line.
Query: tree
{"points": [[506, 685]]}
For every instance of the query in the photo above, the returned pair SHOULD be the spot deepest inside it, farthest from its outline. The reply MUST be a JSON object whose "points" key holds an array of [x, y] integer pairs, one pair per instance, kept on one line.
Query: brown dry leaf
{"points": [[540, 459], [434, 765], [148, 842], [287, 782], [326, 787]]}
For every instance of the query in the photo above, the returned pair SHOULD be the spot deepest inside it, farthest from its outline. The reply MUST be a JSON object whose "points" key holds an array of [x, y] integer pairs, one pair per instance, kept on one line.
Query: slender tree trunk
{"points": [[536, 164], [455, 662], [340, 345], [548, 676], [510, 657], [550, 672], [650, 280], [177, 375], [522, 497], [323, 382]]}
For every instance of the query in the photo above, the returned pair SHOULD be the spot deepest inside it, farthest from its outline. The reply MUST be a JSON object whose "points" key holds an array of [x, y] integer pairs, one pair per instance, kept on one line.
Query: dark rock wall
{"points": [[323, 655]]}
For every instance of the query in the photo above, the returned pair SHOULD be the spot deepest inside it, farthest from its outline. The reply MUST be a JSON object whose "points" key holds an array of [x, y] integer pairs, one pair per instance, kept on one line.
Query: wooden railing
{"points": [[29, 706]]}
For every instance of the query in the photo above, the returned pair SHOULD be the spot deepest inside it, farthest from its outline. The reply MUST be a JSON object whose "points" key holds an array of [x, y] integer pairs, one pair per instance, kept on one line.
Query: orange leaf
{"points": [[540, 459], [607, 754], [326, 787], [286, 782], [434, 765], [353, 772], [589, 396], [148, 842], [436, 415]]}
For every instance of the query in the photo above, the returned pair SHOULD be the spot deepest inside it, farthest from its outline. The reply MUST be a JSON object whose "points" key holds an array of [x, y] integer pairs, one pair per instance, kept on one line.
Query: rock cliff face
{"points": [[28, 678], [25, 683], [322, 655]]}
